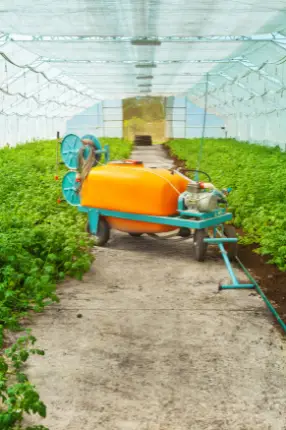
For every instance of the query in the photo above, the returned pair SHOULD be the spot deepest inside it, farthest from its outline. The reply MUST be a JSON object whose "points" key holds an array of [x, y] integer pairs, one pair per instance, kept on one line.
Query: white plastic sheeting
{"points": [[35, 98], [90, 50], [250, 95], [185, 120], [24, 129], [103, 120]]}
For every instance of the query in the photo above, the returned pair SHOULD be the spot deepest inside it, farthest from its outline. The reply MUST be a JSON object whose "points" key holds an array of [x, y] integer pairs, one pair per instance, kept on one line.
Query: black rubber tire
{"points": [[103, 232], [135, 234], [200, 246], [231, 248], [185, 232]]}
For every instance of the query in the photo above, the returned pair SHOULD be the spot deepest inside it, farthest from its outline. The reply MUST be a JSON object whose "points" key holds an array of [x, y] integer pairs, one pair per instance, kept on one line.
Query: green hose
{"points": [[266, 301]]}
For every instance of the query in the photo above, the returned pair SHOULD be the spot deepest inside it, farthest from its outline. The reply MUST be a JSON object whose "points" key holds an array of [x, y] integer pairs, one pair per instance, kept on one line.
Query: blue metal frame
{"points": [[93, 218], [220, 241], [217, 240], [176, 221], [235, 283], [106, 152], [94, 215], [214, 220]]}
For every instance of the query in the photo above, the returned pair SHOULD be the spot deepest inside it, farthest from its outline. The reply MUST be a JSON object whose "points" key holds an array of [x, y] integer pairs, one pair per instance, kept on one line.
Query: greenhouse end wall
{"points": [[183, 120]]}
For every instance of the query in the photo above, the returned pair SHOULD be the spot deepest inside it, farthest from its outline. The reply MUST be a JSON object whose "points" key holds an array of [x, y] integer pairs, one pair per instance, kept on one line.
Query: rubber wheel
{"points": [[184, 232], [135, 234], [199, 245], [231, 248], [103, 232]]}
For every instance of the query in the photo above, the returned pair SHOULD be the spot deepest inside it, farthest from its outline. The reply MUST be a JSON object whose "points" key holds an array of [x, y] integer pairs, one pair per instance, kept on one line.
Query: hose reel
{"points": [[72, 145], [79, 155]]}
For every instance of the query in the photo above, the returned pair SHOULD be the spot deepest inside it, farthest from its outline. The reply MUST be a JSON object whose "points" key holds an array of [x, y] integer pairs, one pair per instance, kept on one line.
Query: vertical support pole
{"points": [[122, 120], [166, 119], [186, 106], [228, 265], [57, 154], [93, 218], [103, 118], [106, 154], [203, 129]]}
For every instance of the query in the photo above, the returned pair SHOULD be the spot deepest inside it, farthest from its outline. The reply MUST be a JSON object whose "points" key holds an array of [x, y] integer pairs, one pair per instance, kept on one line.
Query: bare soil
{"points": [[268, 276]]}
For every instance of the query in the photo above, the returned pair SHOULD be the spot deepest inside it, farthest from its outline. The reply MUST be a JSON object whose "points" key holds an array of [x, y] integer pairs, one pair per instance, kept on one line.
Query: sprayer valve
{"points": [[206, 185]]}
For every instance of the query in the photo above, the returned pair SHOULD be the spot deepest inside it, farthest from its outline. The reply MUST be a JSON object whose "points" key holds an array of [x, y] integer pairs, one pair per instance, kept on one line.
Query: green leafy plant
{"points": [[18, 396], [120, 149], [41, 242], [257, 176]]}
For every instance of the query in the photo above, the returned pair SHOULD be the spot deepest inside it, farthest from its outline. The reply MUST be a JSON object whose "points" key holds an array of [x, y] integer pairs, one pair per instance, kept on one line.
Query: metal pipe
{"points": [[204, 127], [228, 265], [219, 240], [28, 38], [236, 287]]}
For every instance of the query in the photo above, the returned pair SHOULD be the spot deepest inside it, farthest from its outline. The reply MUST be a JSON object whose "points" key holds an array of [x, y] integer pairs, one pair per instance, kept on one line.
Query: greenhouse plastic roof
{"points": [[58, 58]]}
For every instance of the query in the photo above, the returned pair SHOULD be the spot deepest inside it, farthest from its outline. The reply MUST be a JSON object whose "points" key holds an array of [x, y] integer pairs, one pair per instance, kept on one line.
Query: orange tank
{"points": [[134, 189]]}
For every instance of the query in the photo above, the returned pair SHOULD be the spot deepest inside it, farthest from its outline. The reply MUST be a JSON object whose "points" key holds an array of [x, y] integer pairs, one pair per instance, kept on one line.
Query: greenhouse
{"points": [[143, 215]]}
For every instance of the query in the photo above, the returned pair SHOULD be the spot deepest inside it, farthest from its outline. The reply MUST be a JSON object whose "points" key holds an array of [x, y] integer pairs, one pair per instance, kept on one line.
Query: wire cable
{"points": [[33, 116], [53, 81], [44, 103]]}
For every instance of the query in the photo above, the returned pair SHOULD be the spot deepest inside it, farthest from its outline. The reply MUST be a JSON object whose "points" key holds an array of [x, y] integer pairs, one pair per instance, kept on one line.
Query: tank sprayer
{"points": [[127, 196]]}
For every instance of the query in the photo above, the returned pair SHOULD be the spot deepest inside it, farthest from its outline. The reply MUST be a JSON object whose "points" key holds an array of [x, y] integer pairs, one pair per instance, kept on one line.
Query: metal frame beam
{"points": [[83, 75], [239, 84], [32, 68], [222, 106], [97, 86], [23, 72], [265, 37], [276, 38], [44, 103], [244, 87], [250, 66], [135, 62], [242, 99]]}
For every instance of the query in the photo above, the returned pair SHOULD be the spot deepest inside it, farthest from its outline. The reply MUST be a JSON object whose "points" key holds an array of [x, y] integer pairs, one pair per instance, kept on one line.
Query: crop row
{"points": [[257, 177], [41, 242]]}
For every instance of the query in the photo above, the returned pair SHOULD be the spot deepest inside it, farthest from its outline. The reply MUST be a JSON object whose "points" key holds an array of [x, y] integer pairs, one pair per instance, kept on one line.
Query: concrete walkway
{"points": [[146, 342], [153, 156]]}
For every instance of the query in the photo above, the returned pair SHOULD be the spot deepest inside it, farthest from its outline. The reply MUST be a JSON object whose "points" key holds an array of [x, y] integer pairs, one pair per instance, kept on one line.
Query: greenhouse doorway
{"points": [[144, 116]]}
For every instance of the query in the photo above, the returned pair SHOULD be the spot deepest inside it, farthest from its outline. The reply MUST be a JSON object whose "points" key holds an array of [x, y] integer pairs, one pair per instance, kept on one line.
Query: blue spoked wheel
{"points": [[96, 144], [70, 188], [70, 147]]}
